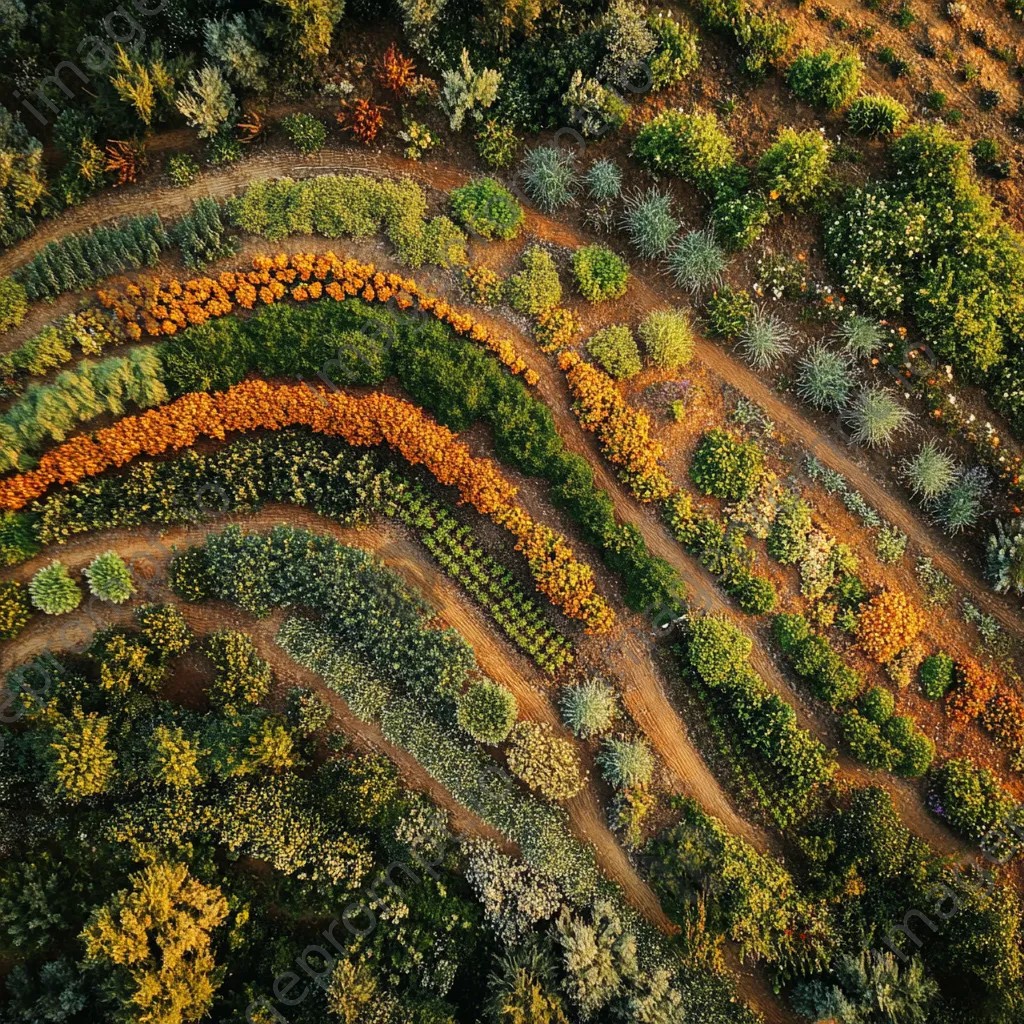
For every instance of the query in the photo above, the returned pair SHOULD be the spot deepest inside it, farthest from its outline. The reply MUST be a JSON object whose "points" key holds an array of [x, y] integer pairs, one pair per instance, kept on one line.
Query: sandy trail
{"points": [[148, 550]]}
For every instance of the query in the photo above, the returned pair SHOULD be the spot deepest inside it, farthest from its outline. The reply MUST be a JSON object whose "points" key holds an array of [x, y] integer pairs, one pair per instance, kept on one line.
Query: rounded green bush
{"points": [[739, 220], [791, 630], [726, 467], [53, 591], [306, 711], [717, 650], [305, 132], [614, 350], [667, 337], [590, 708], [755, 594], [600, 274], [109, 578], [876, 115], [877, 705], [793, 169], [829, 78], [626, 764], [487, 711], [15, 608], [487, 208], [692, 146], [937, 675], [866, 742], [536, 287], [727, 312]]}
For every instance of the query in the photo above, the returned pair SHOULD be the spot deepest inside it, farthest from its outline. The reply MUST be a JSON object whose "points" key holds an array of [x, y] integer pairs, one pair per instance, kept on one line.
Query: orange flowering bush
{"points": [[888, 623], [557, 328], [976, 686], [154, 308], [365, 422], [1004, 718], [624, 432]]}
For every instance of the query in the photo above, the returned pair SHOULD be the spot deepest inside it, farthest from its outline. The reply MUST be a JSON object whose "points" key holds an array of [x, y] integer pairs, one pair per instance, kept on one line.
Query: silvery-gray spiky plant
{"points": [[649, 222], [626, 763], [1004, 557], [697, 261], [861, 335], [876, 417], [929, 472], [825, 378], [764, 339], [550, 177], [960, 505]]}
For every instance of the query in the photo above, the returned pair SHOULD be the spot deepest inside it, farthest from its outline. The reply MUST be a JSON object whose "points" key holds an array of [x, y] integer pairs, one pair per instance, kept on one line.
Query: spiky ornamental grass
{"points": [[1004, 558], [590, 708], [960, 505], [861, 335], [649, 222], [603, 180], [109, 578], [875, 417], [550, 177], [765, 339], [53, 591], [825, 378], [626, 763], [929, 472], [697, 261]]}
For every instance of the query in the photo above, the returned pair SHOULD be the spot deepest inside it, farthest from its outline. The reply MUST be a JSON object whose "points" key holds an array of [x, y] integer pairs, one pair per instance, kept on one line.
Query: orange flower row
{"points": [[150, 307], [364, 422], [624, 432]]}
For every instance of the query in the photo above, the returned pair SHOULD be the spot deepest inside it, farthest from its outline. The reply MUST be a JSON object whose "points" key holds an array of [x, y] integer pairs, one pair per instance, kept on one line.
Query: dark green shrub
{"points": [[600, 274], [791, 630], [876, 115], [726, 467], [970, 798], [739, 220], [305, 132], [727, 312], [917, 750], [829, 78], [754, 594], [937, 675], [866, 742], [877, 705], [487, 208], [614, 350]]}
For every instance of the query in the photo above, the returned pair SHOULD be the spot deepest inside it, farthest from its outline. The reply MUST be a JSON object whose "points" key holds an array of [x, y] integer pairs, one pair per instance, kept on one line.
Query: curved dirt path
{"points": [[554, 393], [645, 292], [147, 549]]}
